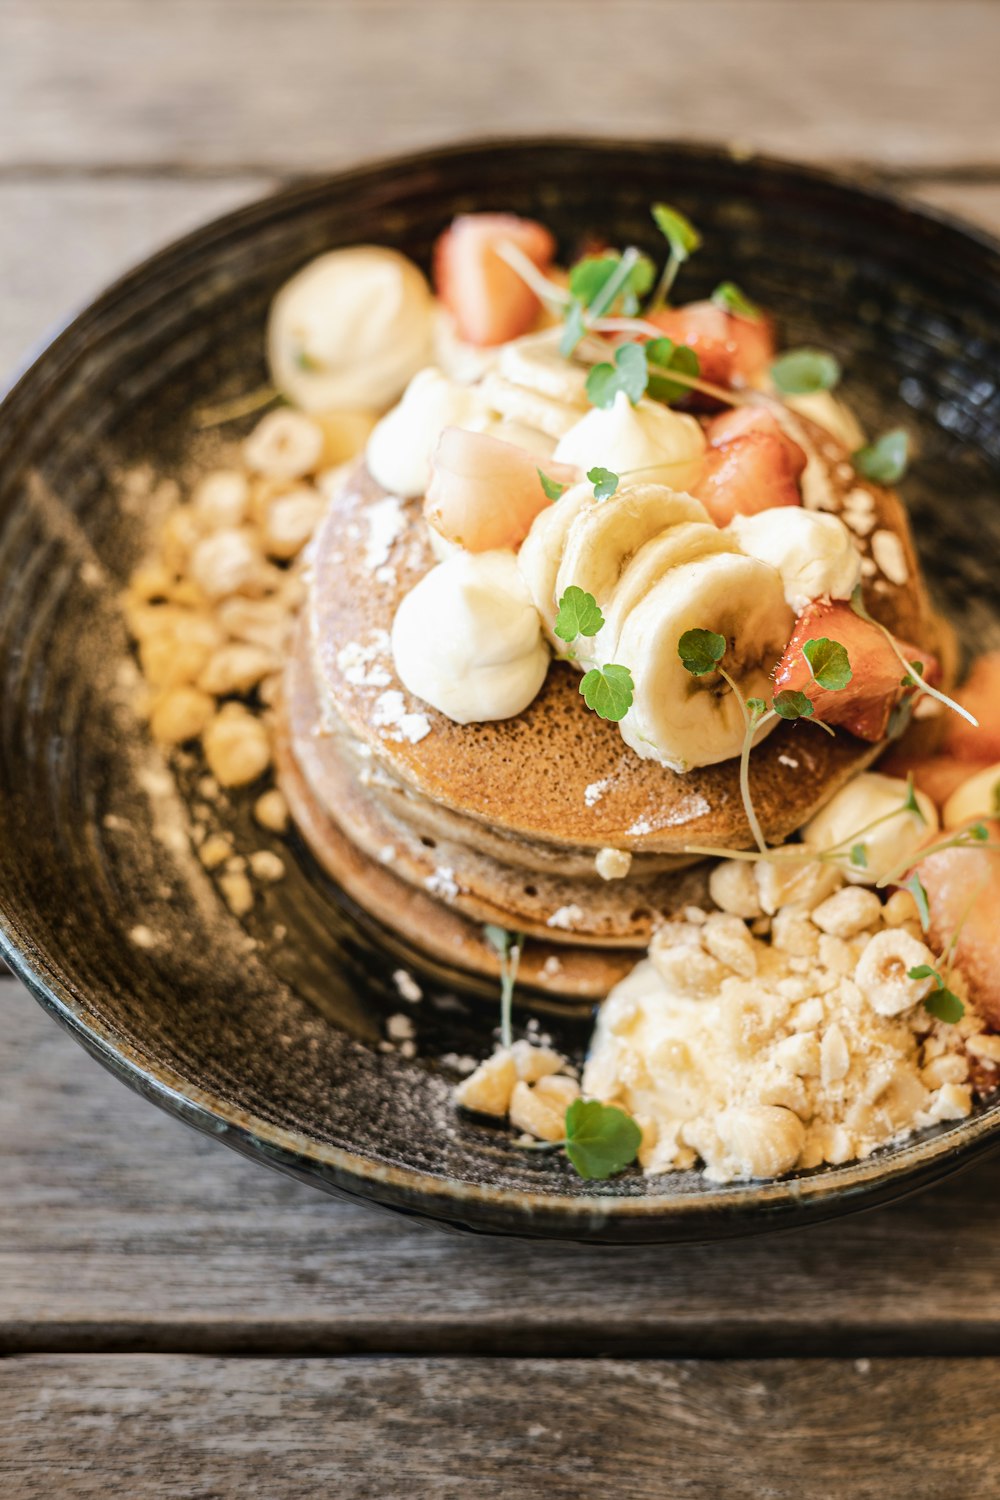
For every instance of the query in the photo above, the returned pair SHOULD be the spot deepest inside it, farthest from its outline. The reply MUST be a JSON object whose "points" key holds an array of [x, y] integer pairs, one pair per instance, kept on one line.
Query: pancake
{"points": [[411, 919], [589, 910], [557, 775]]}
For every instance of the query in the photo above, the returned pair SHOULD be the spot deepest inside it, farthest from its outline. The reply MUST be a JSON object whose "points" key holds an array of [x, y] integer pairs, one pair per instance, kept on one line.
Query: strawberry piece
{"points": [[865, 706], [485, 493], [952, 878], [487, 298], [729, 348], [937, 775], [743, 420], [751, 473], [981, 696]]}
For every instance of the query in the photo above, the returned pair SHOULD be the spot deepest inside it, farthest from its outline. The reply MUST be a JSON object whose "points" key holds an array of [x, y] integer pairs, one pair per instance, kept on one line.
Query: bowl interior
{"points": [[273, 1041]]}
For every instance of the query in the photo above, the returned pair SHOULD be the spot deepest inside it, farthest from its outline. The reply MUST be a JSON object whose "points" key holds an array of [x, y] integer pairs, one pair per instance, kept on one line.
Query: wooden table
{"points": [[177, 1322]]}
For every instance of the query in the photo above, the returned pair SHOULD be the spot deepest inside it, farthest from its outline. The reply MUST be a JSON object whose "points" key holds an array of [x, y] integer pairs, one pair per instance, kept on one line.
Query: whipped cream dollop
{"points": [[664, 446], [350, 330], [812, 550], [873, 810], [399, 450], [468, 640]]}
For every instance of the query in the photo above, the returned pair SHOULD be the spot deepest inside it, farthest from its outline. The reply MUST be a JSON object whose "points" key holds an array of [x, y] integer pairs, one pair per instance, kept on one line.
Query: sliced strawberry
{"points": [[937, 775], [981, 696], [865, 706], [952, 878], [485, 493], [487, 298], [741, 420], [751, 473], [729, 348]]}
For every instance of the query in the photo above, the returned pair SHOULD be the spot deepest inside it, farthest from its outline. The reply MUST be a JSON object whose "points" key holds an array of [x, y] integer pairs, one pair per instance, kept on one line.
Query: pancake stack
{"points": [[437, 828]]}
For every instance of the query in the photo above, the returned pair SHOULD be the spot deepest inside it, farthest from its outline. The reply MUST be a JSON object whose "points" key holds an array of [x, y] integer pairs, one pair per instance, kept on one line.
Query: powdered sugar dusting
{"points": [[390, 715], [386, 523], [593, 793]]}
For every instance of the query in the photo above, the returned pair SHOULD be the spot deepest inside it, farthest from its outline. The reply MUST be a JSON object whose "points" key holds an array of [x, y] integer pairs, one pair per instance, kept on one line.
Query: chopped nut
{"points": [[835, 1059], [487, 1091], [732, 885], [290, 521], [284, 445], [790, 881], [238, 892], [793, 932], [900, 909], [986, 1045], [763, 1140], [890, 557], [541, 1109], [181, 714], [227, 562], [952, 1102], [950, 1068], [687, 970], [264, 622], [237, 668], [271, 811], [848, 912], [220, 499], [236, 746], [215, 851], [728, 939], [883, 971], [267, 866]]}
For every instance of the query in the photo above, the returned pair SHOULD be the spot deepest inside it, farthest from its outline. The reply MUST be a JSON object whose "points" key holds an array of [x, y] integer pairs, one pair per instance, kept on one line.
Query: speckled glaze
{"points": [[273, 1047]]}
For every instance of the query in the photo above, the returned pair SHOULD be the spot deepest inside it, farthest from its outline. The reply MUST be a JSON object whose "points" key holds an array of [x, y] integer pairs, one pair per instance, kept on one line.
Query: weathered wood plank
{"points": [[800, 1430], [218, 84], [122, 1230]]}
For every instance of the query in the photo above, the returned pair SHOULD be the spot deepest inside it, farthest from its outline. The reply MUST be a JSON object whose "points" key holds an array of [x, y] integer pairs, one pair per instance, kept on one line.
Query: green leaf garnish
{"points": [[910, 803], [605, 483], [979, 832], [666, 355], [498, 938], [507, 946], [628, 373], [915, 886], [731, 299], [677, 230], [800, 372], [859, 856], [701, 651], [945, 1005], [600, 1139], [608, 691], [553, 489], [909, 680], [590, 277], [792, 705], [579, 614], [757, 708], [828, 662], [995, 800], [885, 460]]}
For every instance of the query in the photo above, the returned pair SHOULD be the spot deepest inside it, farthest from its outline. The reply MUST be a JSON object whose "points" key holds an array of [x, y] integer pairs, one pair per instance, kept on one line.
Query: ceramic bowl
{"points": [[273, 1045]]}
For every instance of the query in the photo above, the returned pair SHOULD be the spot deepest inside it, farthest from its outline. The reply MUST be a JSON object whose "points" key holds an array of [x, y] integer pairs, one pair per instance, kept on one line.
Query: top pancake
{"points": [[557, 773]]}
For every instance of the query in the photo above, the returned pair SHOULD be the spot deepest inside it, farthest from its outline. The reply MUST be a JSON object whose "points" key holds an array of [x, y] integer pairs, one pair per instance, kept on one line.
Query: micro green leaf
{"points": [[828, 662], [757, 708], [666, 355], [553, 489], [608, 691], [802, 371], [859, 856], [605, 483], [498, 938], [978, 832], [924, 971], [885, 460], [701, 651], [915, 886], [590, 276], [995, 800], [579, 614], [945, 1005], [628, 373], [731, 299], [677, 230], [910, 680], [792, 705], [600, 1139], [910, 803]]}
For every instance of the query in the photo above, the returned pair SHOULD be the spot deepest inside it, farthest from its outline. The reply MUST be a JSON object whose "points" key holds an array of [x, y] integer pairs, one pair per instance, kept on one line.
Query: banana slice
{"points": [[605, 536], [684, 543], [535, 364], [542, 550], [684, 721], [519, 404]]}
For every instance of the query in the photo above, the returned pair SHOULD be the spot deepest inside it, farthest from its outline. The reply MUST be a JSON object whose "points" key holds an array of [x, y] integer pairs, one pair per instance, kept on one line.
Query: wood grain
{"points": [[213, 85], [801, 1430], [122, 1230]]}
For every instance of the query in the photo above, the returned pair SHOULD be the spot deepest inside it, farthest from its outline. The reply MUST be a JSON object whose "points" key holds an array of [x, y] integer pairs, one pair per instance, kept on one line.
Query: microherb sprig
{"points": [[596, 283], [802, 372], [604, 481], [941, 1002], [683, 239], [600, 1139], [912, 669], [608, 690], [629, 373], [854, 846], [553, 489], [507, 946], [731, 299], [969, 836], [885, 460]]}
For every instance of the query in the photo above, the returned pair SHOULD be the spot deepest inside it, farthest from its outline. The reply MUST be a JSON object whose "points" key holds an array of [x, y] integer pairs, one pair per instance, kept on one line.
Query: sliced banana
{"points": [[535, 363], [542, 550], [605, 535], [686, 721], [680, 544], [519, 404]]}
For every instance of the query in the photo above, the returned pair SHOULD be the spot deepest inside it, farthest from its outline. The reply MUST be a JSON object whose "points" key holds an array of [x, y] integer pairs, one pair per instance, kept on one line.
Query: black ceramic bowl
{"points": [[272, 1046]]}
